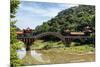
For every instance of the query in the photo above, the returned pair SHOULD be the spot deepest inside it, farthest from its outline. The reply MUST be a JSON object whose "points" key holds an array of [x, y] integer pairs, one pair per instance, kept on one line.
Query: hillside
{"points": [[74, 19]]}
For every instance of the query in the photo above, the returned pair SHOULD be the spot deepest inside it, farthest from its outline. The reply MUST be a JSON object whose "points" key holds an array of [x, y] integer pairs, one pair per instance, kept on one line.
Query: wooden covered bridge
{"points": [[66, 39]]}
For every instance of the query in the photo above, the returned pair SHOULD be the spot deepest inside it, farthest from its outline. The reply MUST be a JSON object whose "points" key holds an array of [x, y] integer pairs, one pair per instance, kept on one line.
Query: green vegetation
{"points": [[14, 61], [14, 5], [18, 45], [40, 44], [74, 46], [56, 52], [84, 48], [74, 19]]}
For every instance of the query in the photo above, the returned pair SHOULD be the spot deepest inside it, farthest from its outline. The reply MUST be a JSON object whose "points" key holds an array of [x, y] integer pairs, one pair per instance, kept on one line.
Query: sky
{"points": [[31, 14]]}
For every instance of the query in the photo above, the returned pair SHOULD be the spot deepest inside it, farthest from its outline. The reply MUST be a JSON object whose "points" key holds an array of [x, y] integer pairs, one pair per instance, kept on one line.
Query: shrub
{"points": [[92, 45], [17, 45], [74, 44], [14, 61]]}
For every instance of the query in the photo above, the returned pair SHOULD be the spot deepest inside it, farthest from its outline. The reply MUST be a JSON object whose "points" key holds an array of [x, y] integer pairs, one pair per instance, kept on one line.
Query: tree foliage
{"points": [[15, 62], [74, 19], [13, 9], [13, 6]]}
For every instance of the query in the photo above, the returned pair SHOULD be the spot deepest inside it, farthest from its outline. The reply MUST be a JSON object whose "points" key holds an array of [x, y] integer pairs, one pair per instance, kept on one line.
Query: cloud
{"points": [[43, 9], [31, 14]]}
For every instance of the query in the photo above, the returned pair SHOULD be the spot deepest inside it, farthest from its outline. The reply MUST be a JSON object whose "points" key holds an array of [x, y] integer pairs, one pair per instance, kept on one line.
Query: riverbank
{"points": [[57, 55], [56, 52]]}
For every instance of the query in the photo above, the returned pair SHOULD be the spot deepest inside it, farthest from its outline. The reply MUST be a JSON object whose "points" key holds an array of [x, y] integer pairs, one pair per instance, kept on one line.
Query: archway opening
{"points": [[48, 41]]}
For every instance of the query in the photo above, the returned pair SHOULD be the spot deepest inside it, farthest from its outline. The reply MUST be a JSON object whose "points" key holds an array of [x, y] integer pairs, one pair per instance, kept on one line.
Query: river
{"points": [[52, 56]]}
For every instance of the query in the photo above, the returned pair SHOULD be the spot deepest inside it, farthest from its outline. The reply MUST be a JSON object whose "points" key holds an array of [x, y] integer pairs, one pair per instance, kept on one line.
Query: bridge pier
{"points": [[29, 42], [28, 47], [67, 42]]}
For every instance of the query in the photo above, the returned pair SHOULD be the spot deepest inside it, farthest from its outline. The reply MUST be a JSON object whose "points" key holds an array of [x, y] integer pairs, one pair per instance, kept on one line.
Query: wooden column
{"points": [[28, 47], [29, 42], [68, 40]]}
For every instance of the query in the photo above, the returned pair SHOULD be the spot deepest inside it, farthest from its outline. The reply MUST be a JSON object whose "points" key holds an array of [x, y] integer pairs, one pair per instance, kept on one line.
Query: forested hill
{"points": [[74, 19]]}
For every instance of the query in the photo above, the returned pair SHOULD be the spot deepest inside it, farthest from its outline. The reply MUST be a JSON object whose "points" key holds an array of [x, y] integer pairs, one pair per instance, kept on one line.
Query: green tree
{"points": [[74, 18], [71, 19], [15, 62], [13, 6], [45, 27]]}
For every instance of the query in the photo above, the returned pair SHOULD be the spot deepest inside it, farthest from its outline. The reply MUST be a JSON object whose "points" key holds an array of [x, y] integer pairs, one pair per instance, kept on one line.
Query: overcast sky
{"points": [[30, 13]]}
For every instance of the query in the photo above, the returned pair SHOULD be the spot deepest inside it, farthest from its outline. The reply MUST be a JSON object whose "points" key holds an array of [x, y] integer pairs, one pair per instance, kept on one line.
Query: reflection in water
{"points": [[33, 54], [21, 53], [37, 56]]}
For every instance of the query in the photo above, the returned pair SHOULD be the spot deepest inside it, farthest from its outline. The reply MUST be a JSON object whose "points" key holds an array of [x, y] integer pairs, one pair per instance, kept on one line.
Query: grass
{"points": [[40, 44], [75, 47], [84, 48]]}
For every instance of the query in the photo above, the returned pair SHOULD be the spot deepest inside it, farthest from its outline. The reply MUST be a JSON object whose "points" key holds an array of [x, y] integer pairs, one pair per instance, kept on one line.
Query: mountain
{"points": [[74, 19]]}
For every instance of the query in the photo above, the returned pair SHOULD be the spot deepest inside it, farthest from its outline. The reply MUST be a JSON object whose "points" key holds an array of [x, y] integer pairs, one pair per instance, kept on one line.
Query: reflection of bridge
{"points": [[28, 38]]}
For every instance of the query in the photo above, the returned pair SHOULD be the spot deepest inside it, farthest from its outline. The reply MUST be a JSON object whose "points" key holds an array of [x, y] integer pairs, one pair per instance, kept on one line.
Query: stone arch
{"points": [[56, 34]]}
